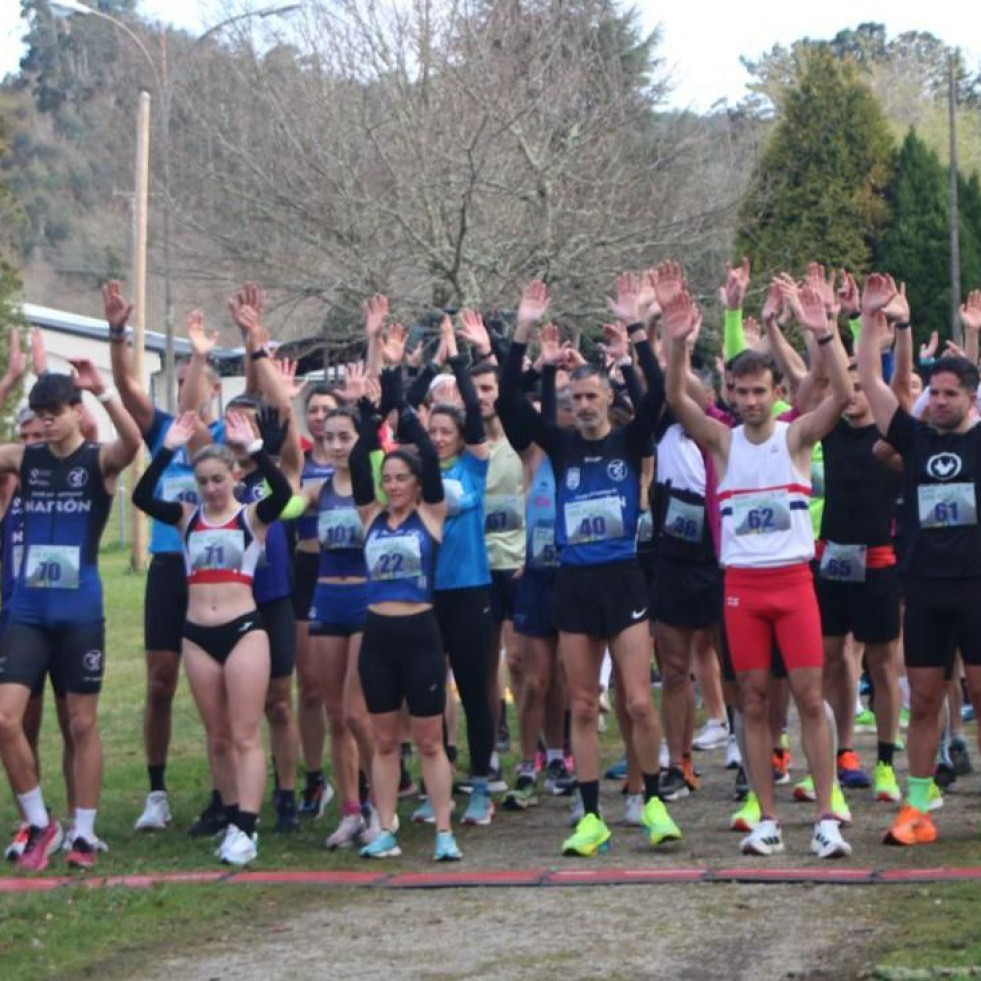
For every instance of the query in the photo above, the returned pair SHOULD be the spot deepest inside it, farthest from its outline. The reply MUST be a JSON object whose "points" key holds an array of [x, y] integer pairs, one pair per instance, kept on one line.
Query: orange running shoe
{"points": [[781, 766], [688, 771], [911, 827]]}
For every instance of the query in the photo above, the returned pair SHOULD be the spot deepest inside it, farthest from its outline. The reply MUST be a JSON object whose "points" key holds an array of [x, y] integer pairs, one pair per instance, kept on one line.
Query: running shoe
{"points": [[748, 816], [804, 789], [590, 837], [911, 827], [423, 814], [347, 833], [827, 841], [633, 810], [287, 815], [672, 785], [618, 770], [713, 735], [741, 788], [522, 795], [765, 839], [503, 737], [156, 812], [850, 772], [315, 799], [385, 845], [447, 849], [496, 784], [944, 775], [780, 761], [480, 809], [18, 843], [82, 855], [734, 759], [541, 760], [692, 776], [658, 823], [936, 798], [865, 721], [69, 840], [559, 782], [839, 806], [237, 847], [967, 712], [210, 822], [40, 845], [886, 785], [960, 758]]}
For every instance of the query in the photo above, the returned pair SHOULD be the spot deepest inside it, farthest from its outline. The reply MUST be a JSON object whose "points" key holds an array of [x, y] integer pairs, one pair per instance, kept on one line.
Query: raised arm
{"points": [[169, 512], [474, 435], [239, 432], [194, 391], [16, 366], [732, 295], [876, 295], [116, 456], [134, 397], [375, 315], [970, 314]]}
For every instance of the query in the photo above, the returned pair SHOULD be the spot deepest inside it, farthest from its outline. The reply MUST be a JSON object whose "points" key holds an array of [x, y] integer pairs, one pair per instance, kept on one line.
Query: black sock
{"points": [[362, 787], [246, 821], [651, 785], [231, 813], [156, 774], [275, 774], [315, 778], [504, 714], [216, 803], [566, 727], [885, 753], [731, 718], [589, 791], [285, 798]]}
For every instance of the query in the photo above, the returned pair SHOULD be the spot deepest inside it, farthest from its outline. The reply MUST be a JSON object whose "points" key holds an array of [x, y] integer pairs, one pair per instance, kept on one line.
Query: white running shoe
{"points": [[828, 842], [97, 843], [764, 839], [633, 810], [734, 759], [348, 832], [713, 735], [238, 848], [156, 812]]}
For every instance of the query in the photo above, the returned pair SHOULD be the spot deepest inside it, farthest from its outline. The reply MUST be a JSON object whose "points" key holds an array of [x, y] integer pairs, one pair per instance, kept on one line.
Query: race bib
{"points": [[763, 513], [453, 495], [684, 521], [947, 505], [843, 563], [394, 557], [595, 520], [645, 527], [544, 552], [216, 548], [504, 512], [53, 566], [183, 488], [339, 528]]}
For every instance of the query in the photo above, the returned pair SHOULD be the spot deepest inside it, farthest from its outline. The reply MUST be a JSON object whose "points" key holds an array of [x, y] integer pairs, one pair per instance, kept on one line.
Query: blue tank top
{"points": [[541, 551], [340, 533], [66, 506], [177, 482], [12, 554], [312, 473], [400, 561], [272, 574], [462, 560], [598, 502]]}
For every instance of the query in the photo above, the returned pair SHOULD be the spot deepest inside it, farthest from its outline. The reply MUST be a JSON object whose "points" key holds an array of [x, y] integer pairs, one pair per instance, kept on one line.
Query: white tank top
{"points": [[679, 461], [763, 501]]}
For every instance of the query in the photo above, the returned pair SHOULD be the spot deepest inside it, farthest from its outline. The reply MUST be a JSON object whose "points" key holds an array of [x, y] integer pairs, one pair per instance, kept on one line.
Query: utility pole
{"points": [[955, 242]]}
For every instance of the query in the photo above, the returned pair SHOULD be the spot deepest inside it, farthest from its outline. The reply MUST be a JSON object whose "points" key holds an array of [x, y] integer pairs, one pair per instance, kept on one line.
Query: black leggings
{"points": [[465, 623]]}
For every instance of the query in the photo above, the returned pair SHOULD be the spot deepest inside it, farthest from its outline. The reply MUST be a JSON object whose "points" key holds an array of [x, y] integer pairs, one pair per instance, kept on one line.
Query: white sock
{"points": [[495, 761], [33, 809], [904, 690], [551, 755], [85, 823]]}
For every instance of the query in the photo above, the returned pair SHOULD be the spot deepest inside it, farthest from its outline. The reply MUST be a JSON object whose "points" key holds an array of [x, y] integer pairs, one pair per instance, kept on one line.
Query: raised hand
{"points": [[878, 293], [238, 429], [789, 294], [202, 342], [474, 331], [16, 359], [670, 281], [247, 318], [849, 298], [897, 309], [533, 304], [952, 350], [970, 312], [86, 376], [39, 354], [271, 429], [117, 310], [624, 306], [355, 382], [616, 343], [447, 338], [180, 431], [549, 345], [928, 351], [571, 357], [375, 314], [825, 285], [733, 292], [287, 372], [752, 332], [680, 317], [773, 304], [813, 313], [393, 348], [648, 309]]}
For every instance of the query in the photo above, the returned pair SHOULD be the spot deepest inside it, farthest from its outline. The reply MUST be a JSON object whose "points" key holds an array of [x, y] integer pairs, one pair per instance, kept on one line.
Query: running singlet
{"points": [[462, 559], [764, 504], [177, 482], [340, 533], [66, 506], [541, 552], [400, 561], [225, 553], [504, 507], [12, 548], [941, 472], [313, 473], [272, 573]]}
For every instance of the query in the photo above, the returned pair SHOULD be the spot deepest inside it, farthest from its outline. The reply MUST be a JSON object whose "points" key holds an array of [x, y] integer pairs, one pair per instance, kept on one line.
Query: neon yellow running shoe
{"points": [[591, 836], [839, 807], [804, 789], [748, 816], [657, 822], [886, 785], [865, 721], [936, 799]]}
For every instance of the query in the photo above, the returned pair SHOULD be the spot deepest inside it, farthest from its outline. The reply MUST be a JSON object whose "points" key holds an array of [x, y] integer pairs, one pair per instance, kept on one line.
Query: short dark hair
{"points": [[453, 411], [320, 388], [408, 456], [966, 373], [349, 412], [51, 391], [484, 368], [244, 401], [750, 362], [590, 371]]}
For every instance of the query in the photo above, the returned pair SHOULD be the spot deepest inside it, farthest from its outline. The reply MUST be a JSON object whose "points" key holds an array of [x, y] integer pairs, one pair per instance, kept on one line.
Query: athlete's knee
{"points": [[355, 719], [925, 704], [246, 739], [430, 744], [82, 726], [640, 708], [11, 725], [675, 673], [755, 703], [161, 687], [584, 706], [534, 686], [810, 704], [279, 710]]}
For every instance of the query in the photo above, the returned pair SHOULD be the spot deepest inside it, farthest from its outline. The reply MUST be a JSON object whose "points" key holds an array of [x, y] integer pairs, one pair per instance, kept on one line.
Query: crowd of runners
{"points": [[768, 524]]}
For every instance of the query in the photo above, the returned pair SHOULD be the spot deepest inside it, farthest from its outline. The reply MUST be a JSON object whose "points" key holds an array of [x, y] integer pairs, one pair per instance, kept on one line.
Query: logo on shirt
{"points": [[944, 466], [78, 477], [573, 477], [617, 470]]}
